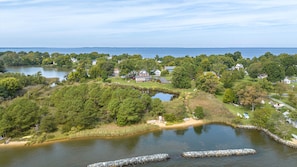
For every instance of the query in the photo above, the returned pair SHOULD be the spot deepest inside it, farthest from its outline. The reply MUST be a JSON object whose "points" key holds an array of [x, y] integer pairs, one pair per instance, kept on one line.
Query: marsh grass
{"points": [[106, 131], [214, 109]]}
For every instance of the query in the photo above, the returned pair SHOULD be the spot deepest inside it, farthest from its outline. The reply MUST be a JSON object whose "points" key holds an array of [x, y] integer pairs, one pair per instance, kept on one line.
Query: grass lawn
{"points": [[236, 109]]}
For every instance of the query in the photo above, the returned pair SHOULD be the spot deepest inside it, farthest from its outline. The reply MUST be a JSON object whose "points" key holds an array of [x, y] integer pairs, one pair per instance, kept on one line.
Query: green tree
{"points": [[181, 78], [265, 84], [10, 85], [250, 95], [291, 71], [205, 64], [157, 107], [80, 74], [274, 71], [129, 112], [261, 117], [198, 112], [94, 72], [208, 83], [2, 67], [227, 79], [229, 96], [280, 88], [20, 117], [255, 69], [48, 123]]}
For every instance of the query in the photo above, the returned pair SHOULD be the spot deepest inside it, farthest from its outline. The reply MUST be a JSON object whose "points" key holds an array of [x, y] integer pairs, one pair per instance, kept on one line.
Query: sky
{"points": [[148, 23]]}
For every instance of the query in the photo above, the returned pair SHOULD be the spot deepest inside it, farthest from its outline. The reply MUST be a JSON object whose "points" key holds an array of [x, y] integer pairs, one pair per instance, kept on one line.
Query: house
{"points": [[116, 72], [169, 68], [287, 81], [262, 76], [74, 60], [237, 67], [157, 73], [143, 76], [94, 62]]}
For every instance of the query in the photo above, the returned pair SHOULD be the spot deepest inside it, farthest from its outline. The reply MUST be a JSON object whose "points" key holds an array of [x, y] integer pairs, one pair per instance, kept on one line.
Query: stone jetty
{"points": [[218, 153], [132, 161], [273, 136]]}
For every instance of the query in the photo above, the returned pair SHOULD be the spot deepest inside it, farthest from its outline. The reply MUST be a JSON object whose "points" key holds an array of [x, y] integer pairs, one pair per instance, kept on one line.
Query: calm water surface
{"points": [[163, 96], [151, 52], [46, 72], [79, 153]]}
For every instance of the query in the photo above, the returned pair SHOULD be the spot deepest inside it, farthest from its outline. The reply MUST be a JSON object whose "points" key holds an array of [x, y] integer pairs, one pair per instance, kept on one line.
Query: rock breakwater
{"points": [[273, 136], [132, 161], [218, 153]]}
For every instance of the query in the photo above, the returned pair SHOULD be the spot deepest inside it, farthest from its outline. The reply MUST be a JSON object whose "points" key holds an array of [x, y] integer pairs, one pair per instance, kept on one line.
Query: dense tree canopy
{"points": [[208, 82], [21, 116], [250, 95], [181, 78], [274, 71]]}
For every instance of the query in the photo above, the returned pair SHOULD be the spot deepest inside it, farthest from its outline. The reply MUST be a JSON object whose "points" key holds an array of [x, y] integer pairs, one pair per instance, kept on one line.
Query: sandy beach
{"points": [[14, 143], [186, 123]]}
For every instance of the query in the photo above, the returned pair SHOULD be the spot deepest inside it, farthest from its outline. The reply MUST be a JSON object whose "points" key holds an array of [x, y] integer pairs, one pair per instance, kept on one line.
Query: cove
{"points": [[46, 72], [78, 153]]}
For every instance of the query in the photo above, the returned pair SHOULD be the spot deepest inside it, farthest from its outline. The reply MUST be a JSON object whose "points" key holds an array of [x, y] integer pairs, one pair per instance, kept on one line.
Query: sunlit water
{"points": [[78, 153], [46, 72]]}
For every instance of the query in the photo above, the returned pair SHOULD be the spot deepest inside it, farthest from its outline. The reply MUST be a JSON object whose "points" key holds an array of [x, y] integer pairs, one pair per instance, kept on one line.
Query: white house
{"points": [[74, 60], [157, 73], [262, 76], [287, 81], [169, 68], [94, 62]]}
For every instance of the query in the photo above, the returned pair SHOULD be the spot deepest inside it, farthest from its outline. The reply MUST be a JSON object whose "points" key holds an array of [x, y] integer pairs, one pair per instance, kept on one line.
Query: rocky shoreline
{"points": [[273, 136]]}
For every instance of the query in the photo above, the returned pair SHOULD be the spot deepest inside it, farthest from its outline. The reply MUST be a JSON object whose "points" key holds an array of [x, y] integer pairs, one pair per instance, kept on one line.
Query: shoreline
{"points": [[161, 126], [14, 144]]}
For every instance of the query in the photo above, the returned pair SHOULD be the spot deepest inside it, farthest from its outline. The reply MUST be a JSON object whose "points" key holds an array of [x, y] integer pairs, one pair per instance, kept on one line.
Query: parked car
{"points": [[246, 115]]}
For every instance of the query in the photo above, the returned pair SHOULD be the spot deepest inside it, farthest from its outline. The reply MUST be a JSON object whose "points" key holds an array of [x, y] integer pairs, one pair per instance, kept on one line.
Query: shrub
{"points": [[198, 112], [170, 117]]}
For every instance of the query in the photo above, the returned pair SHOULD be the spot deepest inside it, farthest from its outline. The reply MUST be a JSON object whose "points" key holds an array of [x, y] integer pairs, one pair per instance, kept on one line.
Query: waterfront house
{"points": [[142, 76]]}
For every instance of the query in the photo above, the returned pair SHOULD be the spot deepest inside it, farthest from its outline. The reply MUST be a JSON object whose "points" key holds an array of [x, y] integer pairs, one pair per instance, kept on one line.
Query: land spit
{"points": [[218, 153], [132, 161]]}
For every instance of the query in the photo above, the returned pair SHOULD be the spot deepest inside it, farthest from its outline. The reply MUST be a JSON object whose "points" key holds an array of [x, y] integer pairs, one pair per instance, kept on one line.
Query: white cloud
{"points": [[126, 18]]}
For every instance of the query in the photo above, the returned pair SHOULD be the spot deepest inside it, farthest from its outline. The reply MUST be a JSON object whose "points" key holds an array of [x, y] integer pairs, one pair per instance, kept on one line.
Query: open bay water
{"points": [[151, 52]]}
